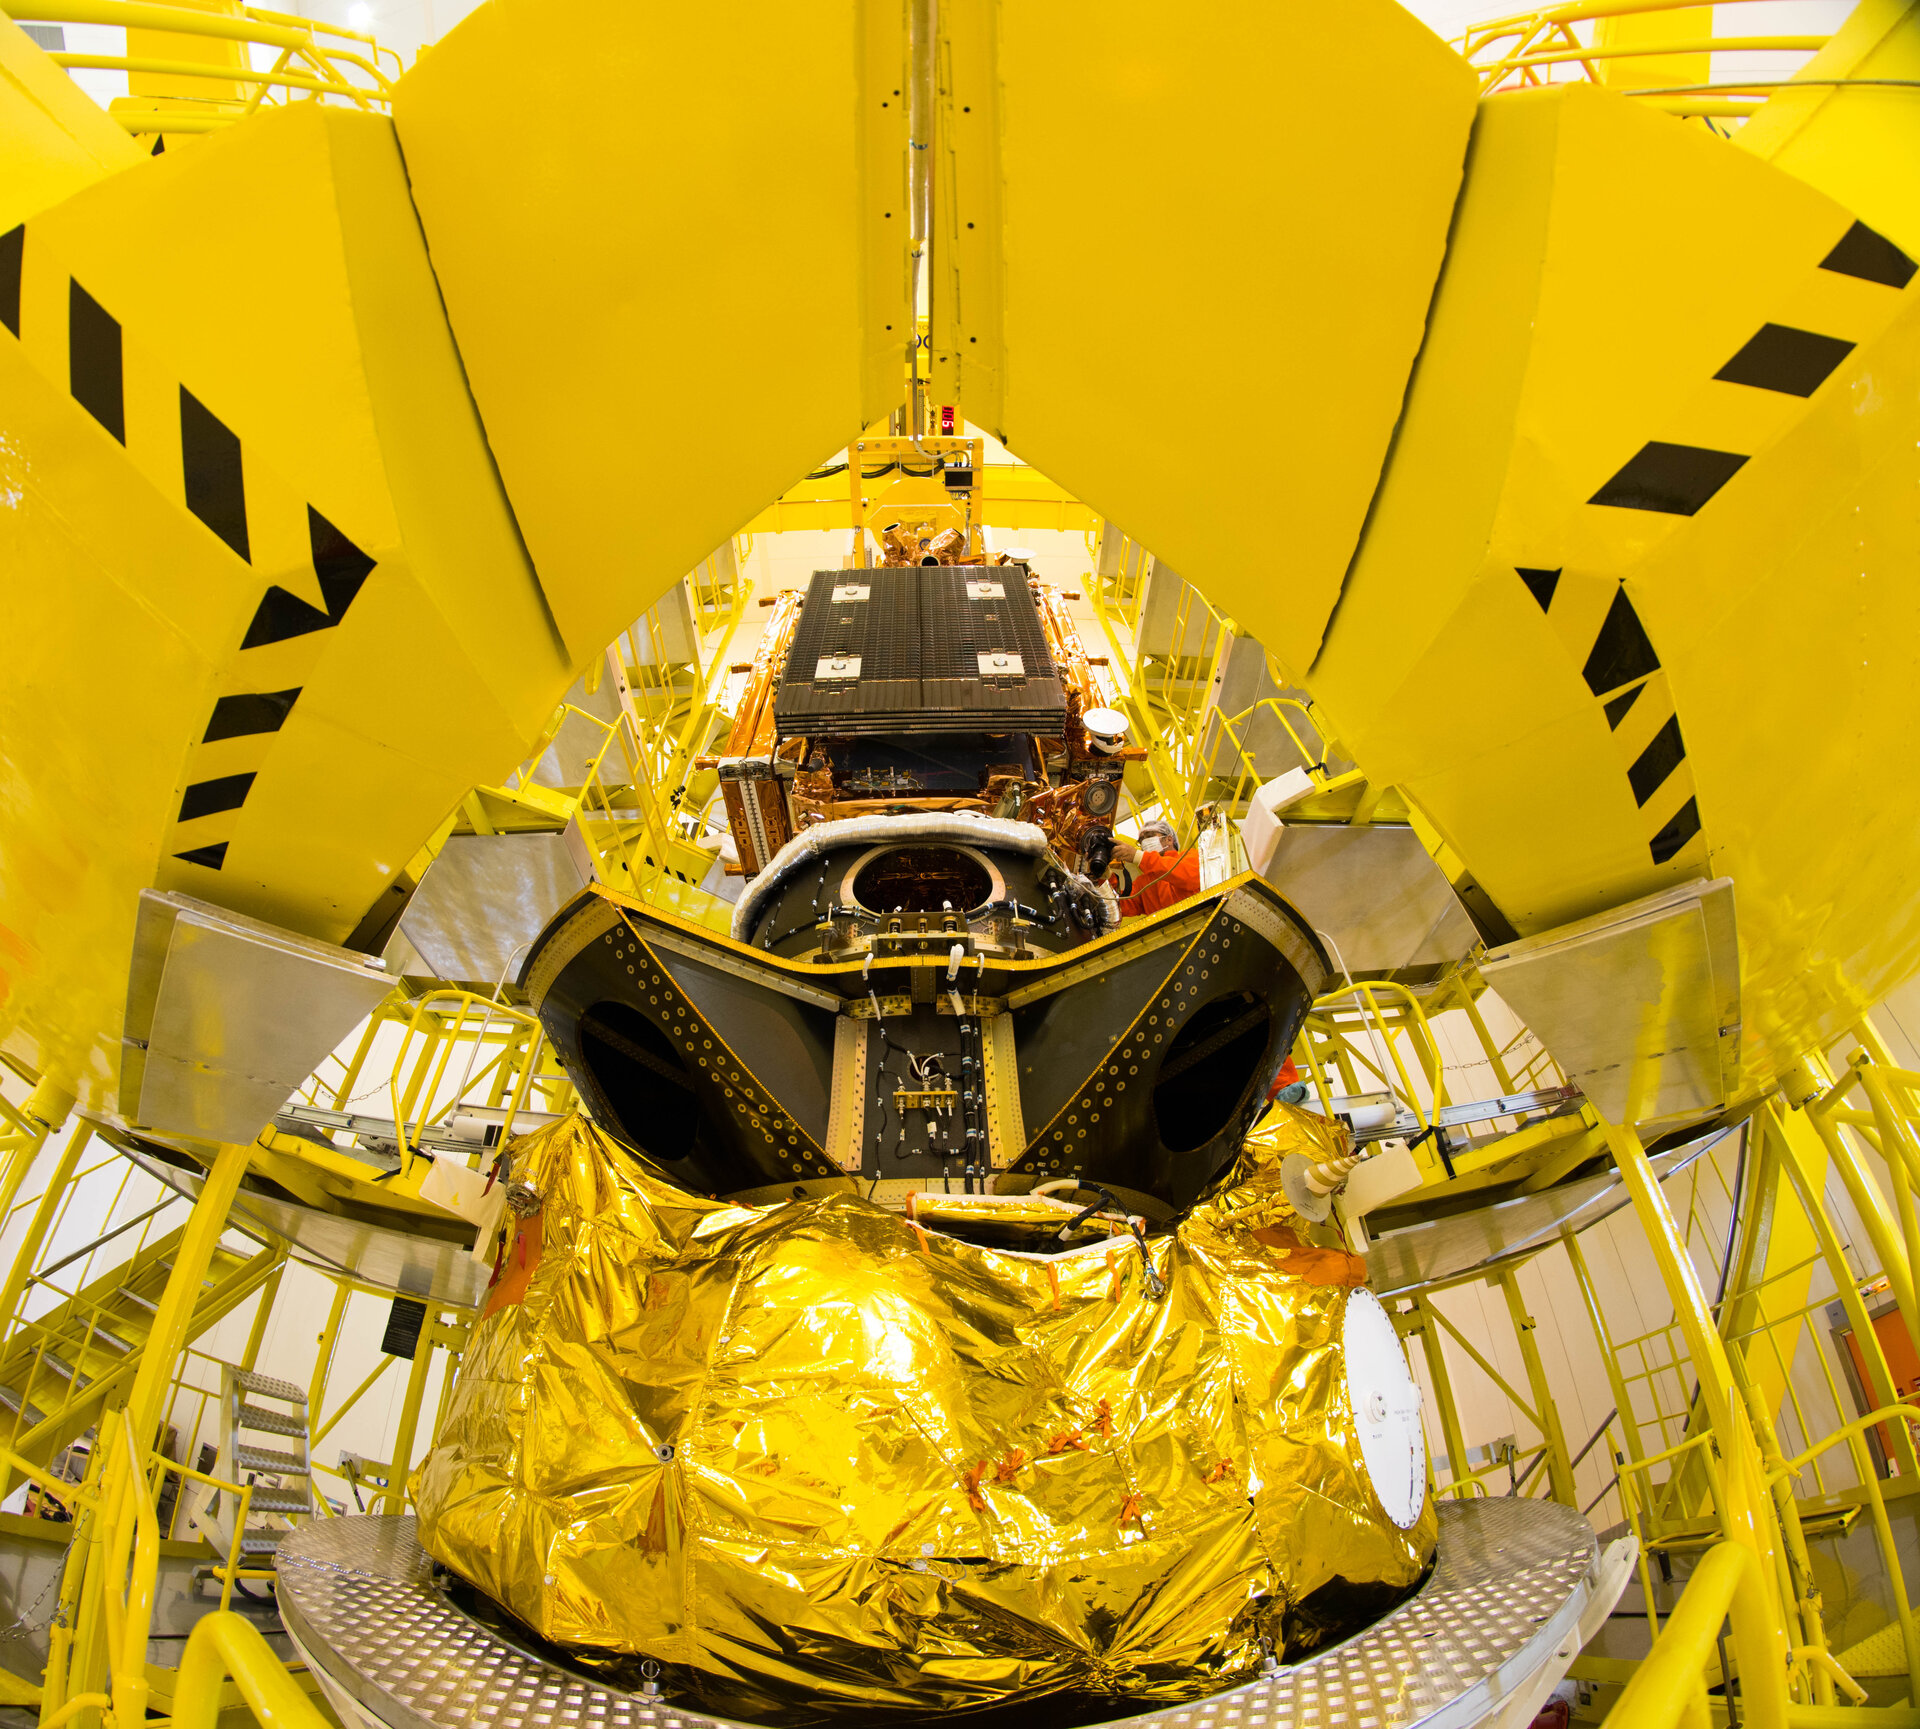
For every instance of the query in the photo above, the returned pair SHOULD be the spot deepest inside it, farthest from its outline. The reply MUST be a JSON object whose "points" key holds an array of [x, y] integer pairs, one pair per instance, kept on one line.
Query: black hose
{"points": [[1106, 1200]]}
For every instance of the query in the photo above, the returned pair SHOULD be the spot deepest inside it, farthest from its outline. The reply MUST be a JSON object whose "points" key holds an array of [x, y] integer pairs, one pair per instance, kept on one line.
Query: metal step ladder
{"points": [[281, 1476], [61, 1370]]}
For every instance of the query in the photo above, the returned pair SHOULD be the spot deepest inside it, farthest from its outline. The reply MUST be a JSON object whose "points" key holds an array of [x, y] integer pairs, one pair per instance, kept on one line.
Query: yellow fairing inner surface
{"points": [[815, 1456]]}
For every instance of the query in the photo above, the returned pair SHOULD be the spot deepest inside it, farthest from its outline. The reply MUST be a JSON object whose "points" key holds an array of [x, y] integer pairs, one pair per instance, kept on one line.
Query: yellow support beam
{"points": [[1547, 1412]]}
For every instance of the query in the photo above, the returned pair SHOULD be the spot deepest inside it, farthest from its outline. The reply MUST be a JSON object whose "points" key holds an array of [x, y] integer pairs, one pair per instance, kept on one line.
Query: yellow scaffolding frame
{"points": [[1526, 50], [304, 66]]}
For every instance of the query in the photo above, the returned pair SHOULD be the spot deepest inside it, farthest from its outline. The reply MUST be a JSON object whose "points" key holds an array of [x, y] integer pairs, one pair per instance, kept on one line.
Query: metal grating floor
{"points": [[1505, 1597]]}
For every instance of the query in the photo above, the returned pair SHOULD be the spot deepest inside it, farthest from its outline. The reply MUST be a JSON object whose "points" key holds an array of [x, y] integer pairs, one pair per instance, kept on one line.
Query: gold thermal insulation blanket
{"points": [[815, 1456]]}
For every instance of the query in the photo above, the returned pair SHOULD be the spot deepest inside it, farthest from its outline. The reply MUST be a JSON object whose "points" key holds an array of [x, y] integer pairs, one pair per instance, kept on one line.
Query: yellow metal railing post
{"points": [[1897, 1150], [1412, 1019], [1852, 1433], [1887, 1239], [29, 1252], [1609, 1354], [73, 1581], [52, 1197], [1881, 1389], [1425, 1325], [393, 1498], [93, 1652], [1744, 1506], [132, 1552], [116, 1560], [328, 1343], [1559, 1469]]}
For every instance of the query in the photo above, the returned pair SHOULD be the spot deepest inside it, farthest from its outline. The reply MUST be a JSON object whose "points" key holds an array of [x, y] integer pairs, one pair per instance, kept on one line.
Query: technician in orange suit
{"points": [[1163, 874]]}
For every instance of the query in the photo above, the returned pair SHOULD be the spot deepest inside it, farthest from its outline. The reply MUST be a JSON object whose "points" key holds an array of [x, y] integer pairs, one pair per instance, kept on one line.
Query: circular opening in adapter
{"points": [[922, 879]]}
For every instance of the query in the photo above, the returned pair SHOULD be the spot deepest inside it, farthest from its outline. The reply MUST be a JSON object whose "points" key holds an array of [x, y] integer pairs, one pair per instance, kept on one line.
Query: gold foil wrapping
{"points": [[817, 1455]]}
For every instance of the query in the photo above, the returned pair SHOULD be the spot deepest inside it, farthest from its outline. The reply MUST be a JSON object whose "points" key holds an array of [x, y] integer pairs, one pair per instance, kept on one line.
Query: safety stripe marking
{"points": [[1779, 357], [13, 246], [94, 371], [1541, 584], [1663, 755], [210, 797], [215, 481], [213, 489], [1620, 668], [1871, 257], [1616, 709], [1621, 652], [341, 567], [253, 712], [1675, 479], [1681, 828], [1679, 480]]}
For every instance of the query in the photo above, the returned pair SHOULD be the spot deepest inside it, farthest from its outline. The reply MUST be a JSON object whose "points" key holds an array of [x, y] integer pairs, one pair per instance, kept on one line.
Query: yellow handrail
{"points": [[126, 1571], [427, 1015], [1859, 1426], [241, 1492], [1524, 49], [142, 15], [224, 1644], [1365, 993], [200, 69], [1668, 1689]]}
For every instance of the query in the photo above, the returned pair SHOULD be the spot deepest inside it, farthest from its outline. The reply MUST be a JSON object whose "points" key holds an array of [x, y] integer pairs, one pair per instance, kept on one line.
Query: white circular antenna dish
{"points": [[1106, 728], [1386, 1409]]}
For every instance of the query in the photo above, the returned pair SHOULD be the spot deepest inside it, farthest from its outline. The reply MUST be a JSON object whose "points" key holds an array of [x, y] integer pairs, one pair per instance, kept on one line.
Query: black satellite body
{"points": [[907, 651]]}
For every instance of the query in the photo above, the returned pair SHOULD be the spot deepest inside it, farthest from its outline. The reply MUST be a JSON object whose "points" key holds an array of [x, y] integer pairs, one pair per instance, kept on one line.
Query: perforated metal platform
{"points": [[1504, 1602]]}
